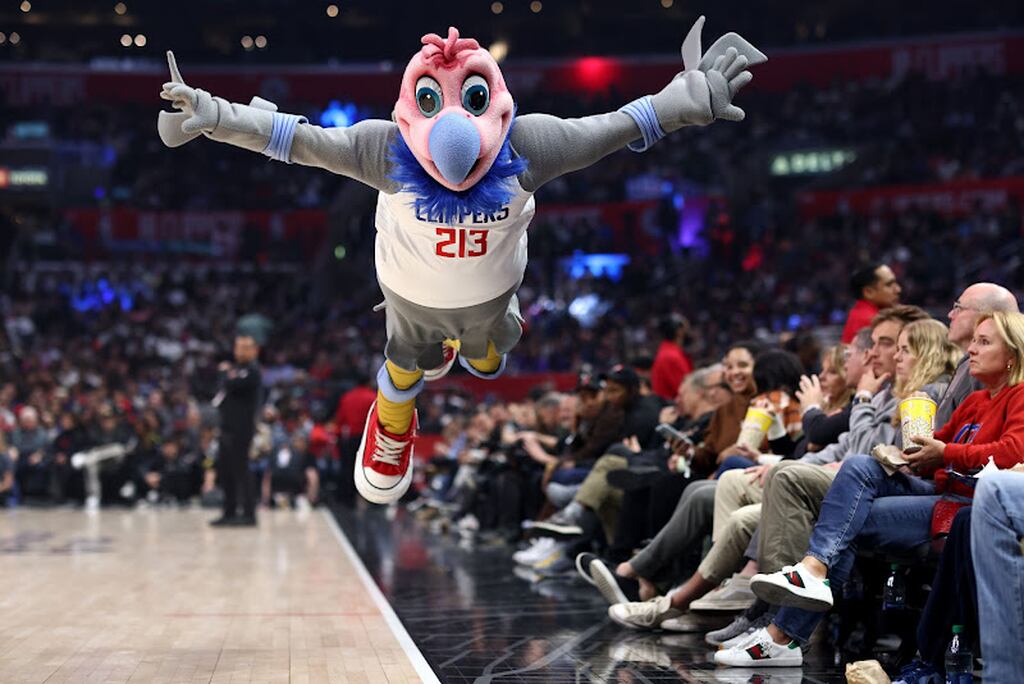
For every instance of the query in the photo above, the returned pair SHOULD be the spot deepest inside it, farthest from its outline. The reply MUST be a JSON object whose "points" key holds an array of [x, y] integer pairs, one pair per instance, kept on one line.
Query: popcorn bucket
{"points": [[755, 427], [917, 419]]}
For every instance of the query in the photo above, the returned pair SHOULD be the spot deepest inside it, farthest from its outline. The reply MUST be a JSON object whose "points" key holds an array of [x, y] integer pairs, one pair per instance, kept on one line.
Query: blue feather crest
{"points": [[442, 205]]}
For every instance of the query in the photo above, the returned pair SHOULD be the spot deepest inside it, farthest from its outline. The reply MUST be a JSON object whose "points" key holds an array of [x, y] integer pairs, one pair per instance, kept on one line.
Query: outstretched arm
{"points": [[359, 152], [698, 95]]}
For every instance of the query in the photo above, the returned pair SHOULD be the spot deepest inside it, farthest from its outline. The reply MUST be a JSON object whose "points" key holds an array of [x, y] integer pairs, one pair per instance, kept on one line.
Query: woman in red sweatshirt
{"points": [[868, 508]]}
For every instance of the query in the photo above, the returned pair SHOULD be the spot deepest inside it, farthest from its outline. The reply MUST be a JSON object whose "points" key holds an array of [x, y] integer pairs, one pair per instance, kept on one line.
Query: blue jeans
{"points": [[997, 526], [570, 476], [862, 492], [865, 507], [733, 463]]}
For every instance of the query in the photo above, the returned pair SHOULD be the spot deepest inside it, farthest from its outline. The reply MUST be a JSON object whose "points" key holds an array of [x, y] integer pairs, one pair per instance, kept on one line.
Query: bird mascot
{"points": [[455, 170]]}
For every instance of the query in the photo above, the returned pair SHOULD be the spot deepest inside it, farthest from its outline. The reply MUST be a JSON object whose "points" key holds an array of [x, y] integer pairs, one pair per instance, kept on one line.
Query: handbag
{"points": [[945, 508]]}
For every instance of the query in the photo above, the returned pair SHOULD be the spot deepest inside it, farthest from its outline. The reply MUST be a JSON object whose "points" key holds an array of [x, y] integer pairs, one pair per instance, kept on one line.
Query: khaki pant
{"points": [[735, 490], [793, 494], [727, 554], [599, 496]]}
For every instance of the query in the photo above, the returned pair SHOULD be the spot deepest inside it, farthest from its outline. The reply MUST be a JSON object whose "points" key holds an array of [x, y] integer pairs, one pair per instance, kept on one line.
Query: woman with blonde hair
{"points": [[833, 380], [925, 361]]}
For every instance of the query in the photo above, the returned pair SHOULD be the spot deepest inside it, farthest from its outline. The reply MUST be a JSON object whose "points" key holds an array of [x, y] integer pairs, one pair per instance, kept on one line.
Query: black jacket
{"points": [[242, 391]]}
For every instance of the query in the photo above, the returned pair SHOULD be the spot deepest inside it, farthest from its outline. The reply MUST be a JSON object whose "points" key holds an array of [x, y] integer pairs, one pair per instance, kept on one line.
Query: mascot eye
{"points": [[475, 95], [428, 96]]}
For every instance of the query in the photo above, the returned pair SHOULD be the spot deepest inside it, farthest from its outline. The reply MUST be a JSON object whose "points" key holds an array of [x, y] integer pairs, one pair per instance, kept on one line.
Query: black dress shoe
{"points": [[245, 521], [224, 521]]}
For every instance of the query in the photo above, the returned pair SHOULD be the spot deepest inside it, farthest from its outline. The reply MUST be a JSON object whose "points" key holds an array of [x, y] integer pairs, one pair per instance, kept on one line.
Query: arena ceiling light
{"points": [[332, 11], [247, 42], [497, 7], [498, 50], [26, 6], [140, 40], [536, 6], [126, 40], [120, 9], [15, 38], [260, 42]]}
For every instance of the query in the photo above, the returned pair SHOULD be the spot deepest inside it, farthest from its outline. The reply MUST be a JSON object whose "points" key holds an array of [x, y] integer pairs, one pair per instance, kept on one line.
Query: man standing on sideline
{"points": [[237, 402], [875, 288]]}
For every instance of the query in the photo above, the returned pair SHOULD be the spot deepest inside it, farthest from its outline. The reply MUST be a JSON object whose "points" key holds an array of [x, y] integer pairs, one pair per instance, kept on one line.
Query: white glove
{"points": [[197, 113]]}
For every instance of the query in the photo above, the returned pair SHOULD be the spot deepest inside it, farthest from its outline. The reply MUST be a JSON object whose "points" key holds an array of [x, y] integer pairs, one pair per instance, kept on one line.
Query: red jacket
{"points": [[671, 365], [984, 426], [859, 317]]}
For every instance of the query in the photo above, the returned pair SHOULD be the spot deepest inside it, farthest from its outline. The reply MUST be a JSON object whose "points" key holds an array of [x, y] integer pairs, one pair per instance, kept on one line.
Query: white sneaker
{"points": [[606, 583], [733, 594], [761, 651], [793, 586], [745, 636], [684, 624], [644, 614], [539, 548], [468, 525]]}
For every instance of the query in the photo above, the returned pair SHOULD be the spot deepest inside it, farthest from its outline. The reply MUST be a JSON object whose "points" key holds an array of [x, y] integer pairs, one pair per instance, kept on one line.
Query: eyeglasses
{"points": [[958, 307]]}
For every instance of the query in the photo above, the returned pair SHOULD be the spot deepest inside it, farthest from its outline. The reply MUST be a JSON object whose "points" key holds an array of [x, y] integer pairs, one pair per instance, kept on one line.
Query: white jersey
{"points": [[443, 266]]}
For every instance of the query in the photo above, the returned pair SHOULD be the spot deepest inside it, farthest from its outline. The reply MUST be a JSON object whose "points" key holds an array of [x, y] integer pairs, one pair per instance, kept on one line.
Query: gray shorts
{"points": [[416, 333]]}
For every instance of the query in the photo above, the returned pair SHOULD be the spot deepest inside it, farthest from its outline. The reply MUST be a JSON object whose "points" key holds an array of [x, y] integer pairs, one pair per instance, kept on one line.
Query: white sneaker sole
{"points": [[368, 490], [789, 660], [605, 582], [556, 530], [714, 605], [779, 592]]}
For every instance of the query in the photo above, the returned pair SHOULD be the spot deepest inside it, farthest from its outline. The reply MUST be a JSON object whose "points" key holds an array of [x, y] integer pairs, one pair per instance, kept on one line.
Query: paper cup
{"points": [[755, 427], [917, 419]]}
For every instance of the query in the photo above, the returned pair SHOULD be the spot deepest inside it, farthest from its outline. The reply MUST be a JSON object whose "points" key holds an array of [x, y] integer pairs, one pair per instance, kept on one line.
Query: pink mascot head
{"points": [[454, 110]]}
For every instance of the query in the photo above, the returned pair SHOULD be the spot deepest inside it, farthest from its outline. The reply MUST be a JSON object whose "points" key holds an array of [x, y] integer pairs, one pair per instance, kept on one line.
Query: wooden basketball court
{"points": [[157, 596]]}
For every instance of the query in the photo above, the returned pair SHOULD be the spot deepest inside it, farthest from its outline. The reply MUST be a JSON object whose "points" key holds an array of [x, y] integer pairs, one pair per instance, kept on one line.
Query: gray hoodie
{"points": [[871, 424]]}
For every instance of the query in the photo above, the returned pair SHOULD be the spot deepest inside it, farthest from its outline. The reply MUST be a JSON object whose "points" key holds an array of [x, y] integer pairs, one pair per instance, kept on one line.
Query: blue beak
{"points": [[454, 145]]}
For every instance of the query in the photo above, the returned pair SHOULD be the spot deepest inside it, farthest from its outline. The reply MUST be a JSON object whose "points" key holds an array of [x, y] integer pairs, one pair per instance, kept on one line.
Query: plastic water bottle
{"points": [[895, 595], [959, 659]]}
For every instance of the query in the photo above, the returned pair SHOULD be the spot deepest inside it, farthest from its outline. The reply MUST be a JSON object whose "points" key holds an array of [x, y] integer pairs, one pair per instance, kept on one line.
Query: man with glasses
{"points": [[977, 299]]}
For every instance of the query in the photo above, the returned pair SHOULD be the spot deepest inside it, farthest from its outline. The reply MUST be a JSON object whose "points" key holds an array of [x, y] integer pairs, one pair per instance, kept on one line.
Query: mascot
{"points": [[456, 171]]}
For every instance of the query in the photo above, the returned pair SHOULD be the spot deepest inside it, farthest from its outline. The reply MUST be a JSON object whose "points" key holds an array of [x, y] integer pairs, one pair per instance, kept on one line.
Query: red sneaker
{"points": [[450, 353], [384, 461]]}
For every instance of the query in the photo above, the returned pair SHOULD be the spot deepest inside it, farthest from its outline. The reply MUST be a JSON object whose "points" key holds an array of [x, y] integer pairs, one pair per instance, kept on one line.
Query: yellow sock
{"points": [[489, 364], [396, 416]]}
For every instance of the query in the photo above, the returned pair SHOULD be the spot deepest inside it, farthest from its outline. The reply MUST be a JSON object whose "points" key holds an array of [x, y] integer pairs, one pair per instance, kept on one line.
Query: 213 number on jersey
{"points": [[460, 243]]}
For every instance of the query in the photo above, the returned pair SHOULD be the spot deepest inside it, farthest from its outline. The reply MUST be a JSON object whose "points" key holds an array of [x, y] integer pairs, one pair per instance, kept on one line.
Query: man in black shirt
{"points": [[237, 402]]}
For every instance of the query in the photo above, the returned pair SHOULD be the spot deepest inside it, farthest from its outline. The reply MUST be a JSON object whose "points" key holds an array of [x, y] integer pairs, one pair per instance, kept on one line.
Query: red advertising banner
{"points": [[953, 198], [214, 234], [936, 58], [508, 387]]}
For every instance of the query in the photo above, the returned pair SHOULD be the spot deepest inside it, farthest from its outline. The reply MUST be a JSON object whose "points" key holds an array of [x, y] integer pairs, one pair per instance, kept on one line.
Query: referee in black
{"points": [[237, 402]]}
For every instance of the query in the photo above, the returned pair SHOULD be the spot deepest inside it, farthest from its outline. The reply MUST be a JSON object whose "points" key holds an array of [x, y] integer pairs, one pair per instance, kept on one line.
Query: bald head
{"points": [[977, 299]]}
